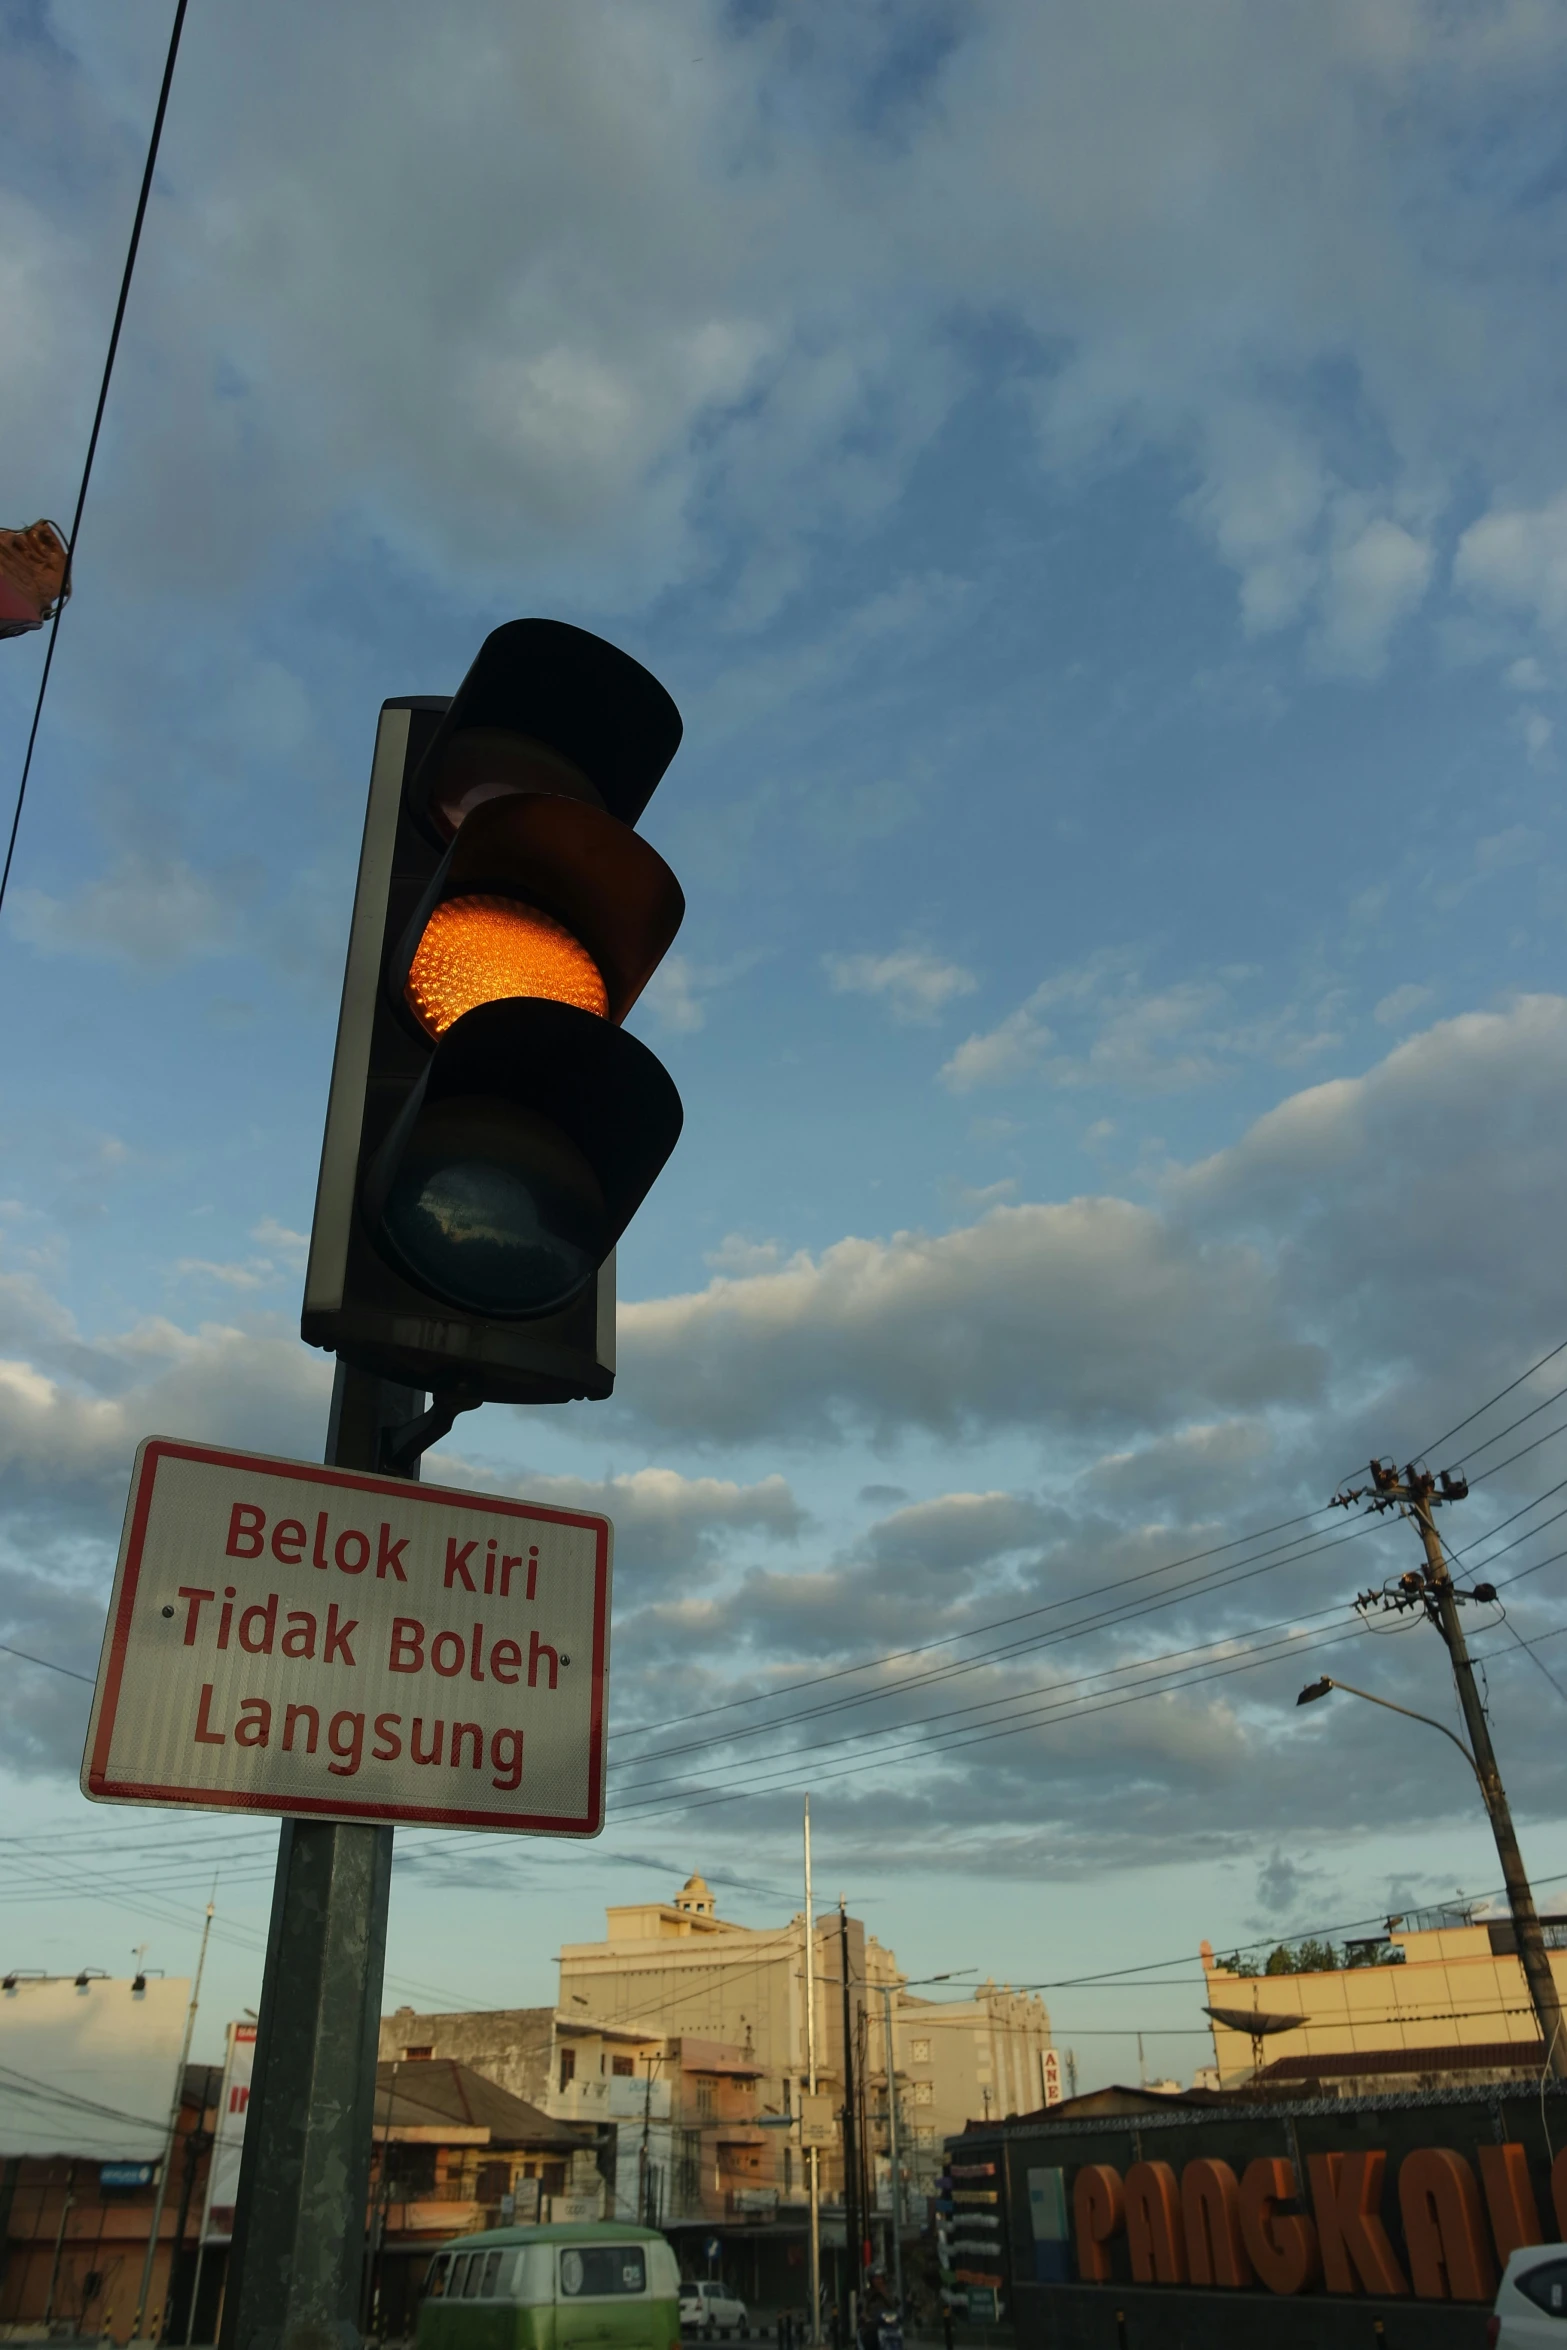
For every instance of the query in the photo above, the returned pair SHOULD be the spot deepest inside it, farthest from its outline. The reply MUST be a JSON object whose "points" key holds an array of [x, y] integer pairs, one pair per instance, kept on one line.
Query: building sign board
{"points": [[228, 2145], [818, 2119], [87, 2065], [126, 2174], [322, 1643]]}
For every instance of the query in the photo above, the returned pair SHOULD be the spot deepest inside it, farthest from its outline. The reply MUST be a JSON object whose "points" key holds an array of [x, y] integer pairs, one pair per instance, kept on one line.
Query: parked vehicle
{"points": [[553, 2288], [708, 2308], [1530, 2309]]}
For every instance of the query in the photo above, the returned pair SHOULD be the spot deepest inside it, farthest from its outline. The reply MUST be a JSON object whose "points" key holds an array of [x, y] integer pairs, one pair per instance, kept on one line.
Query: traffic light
{"points": [[492, 1127]]}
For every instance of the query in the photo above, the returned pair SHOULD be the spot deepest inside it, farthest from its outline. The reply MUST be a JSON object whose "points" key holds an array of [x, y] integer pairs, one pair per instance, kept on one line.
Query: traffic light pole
{"points": [[299, 2227], [1532, 1953]]}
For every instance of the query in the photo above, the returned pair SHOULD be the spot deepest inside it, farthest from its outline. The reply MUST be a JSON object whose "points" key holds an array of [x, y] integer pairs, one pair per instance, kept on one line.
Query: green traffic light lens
{"points": [[495, 1210]]}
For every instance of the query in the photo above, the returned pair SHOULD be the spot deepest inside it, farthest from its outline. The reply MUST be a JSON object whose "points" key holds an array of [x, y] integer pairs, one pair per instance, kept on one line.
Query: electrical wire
{"points": [[48, 1664], [970, 1632], [709, 1796], [1521, 1421], [1501, 1393], [1497, 1467], [97, 427], [1054, 1690], [1295, 1554]]}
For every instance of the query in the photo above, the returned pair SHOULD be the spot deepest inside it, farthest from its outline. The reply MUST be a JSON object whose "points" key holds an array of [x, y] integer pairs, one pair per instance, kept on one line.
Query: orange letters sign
{"points": [[1207, 2229]]}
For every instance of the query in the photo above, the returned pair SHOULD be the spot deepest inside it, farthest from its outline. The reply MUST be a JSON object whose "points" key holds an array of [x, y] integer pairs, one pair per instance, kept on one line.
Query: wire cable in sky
{"points": [[1481, 1409], [47, 1662], [97, 427], [894, 1656]]}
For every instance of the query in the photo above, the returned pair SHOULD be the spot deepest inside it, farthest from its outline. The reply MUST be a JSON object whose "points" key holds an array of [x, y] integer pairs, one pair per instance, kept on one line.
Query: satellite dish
{"points": [[1257, 2023]]}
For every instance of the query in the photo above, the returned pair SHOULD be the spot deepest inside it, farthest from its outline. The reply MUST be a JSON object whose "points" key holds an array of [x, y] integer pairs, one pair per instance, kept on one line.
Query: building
{"points": [[684, 2035], [87, 2084], [75, 2225], [512, 2046], [977, 2058], [455, 2152], [1437, 2001]]}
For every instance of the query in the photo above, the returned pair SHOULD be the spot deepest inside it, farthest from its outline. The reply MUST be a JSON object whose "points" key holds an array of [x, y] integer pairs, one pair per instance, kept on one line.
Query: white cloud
{"points": [[653, 295], [1401, 1004], [1015, 1048], [1364, 1220], [1107, 1028], [669, 1529], [1376, 578], [1517, 557], [913, 983], [674, 996], [256, 1273], [292, 1247], [151, 910], [1089, 1310]]}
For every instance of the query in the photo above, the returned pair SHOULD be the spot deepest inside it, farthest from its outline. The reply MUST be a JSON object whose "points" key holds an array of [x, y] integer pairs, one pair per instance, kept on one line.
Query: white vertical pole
{"points": [[168, 2158], [813, 2153]]}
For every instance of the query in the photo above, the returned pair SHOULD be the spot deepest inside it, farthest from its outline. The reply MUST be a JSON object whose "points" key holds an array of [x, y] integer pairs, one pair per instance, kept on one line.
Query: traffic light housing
{"points": [[492, 1127]]}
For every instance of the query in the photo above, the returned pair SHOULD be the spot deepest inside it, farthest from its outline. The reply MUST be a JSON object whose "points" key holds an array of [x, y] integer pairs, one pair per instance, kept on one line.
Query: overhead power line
{"points": [[1481, 1409], [97, 426], [969, 1632]]}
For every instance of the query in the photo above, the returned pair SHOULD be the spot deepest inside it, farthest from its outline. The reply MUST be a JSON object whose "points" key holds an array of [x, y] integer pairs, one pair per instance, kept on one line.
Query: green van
{"points": [[583, 2287]]}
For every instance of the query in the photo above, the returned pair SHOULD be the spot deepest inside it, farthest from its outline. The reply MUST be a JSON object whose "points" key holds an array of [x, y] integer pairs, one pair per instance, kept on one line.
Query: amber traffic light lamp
{"points": [[493, 1127]]}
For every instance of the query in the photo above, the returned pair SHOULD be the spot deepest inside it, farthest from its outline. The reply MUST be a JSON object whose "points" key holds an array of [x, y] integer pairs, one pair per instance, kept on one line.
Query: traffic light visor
{"points": [[521, 1156], [495, 1209], [537, 896], [481, 949], [543, 687]]}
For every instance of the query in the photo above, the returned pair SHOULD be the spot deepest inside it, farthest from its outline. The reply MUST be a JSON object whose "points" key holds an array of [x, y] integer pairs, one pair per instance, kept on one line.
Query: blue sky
{"points": [[1092, 480]]}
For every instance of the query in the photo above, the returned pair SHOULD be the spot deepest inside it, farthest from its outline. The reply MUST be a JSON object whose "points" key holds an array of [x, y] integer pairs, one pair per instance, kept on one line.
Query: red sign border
{"points": [[100, 1788]]}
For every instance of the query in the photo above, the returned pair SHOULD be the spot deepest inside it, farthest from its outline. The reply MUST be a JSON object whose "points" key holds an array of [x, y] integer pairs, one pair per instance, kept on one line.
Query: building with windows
{"points": [[681, 2039], [1437, 2001]]}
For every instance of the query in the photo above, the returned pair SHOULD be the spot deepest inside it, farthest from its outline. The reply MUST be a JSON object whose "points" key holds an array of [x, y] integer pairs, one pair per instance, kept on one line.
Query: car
{"points": [[1530, 2308], [708, 2308], [558, 2287]]}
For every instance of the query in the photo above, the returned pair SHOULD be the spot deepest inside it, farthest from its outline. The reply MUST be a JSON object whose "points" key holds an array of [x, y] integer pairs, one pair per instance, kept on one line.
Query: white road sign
{"points": [[288, 1638]]}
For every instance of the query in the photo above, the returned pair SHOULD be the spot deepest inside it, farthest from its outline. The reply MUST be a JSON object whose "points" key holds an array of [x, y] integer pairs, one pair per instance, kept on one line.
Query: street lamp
{"points": [[1315, 1689]]}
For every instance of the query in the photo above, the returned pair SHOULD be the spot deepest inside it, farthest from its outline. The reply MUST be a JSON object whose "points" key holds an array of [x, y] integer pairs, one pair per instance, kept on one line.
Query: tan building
{"points": [[677, 1966], [684, 2035], [1436, 2000], [512, 2046]]}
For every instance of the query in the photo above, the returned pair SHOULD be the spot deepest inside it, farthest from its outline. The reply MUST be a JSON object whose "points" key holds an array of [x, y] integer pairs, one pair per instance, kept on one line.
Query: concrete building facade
{"points": [[1436, 2001], [683, 2035]]}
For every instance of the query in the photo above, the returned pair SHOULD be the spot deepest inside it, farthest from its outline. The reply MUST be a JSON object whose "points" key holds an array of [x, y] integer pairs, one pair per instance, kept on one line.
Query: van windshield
{"points": [[588, 2271]]}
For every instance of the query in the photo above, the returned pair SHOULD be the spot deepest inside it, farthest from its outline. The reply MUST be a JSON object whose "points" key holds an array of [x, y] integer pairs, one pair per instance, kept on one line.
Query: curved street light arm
{"points": [[1410, 1715]]}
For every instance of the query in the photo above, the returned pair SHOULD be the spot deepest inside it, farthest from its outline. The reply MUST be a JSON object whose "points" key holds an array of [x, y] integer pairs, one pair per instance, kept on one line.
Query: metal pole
{"points": [[66, 2208], [813, 2153], [167, 2163], [1532, 1952], [854, 2247], [892, 2146], [297, 2262]]}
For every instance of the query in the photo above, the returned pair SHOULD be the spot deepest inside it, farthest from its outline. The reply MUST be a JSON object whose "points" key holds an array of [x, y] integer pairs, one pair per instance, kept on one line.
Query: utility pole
{"points": [[167, 2163], [853, 2234], [812, 2153], [1416, 1496], [646, 2216], [892, 2147]]}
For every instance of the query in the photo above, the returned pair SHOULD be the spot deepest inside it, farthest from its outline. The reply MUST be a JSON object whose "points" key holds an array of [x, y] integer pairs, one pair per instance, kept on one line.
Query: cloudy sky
{"points": [[1092, 477]]}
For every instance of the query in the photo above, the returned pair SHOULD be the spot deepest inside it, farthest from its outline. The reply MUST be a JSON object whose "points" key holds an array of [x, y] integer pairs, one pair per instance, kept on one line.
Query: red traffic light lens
{"points": [[483, 950]]}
